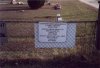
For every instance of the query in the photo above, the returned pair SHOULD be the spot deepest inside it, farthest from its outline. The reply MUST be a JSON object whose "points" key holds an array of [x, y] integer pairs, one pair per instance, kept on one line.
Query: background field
{"points": [[71, 10]]}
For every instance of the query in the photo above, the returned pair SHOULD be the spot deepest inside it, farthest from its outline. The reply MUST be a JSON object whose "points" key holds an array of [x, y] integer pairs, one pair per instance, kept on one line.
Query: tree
{"points": [[36, 4]]}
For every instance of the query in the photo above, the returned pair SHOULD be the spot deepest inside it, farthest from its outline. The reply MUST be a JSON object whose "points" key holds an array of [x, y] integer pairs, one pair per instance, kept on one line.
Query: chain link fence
{"points": [[20, 36]]}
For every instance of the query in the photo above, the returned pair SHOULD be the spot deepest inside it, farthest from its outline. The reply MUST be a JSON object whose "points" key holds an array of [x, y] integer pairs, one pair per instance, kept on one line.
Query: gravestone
{"points": [[13, 2], [59, 18], [55, 35], [3, 37]]}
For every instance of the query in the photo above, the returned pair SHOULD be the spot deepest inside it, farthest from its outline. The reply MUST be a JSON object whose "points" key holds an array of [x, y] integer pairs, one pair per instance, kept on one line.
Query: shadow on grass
{"points": [[45, 17], [57, 62], [19, 7], [14, 8]]}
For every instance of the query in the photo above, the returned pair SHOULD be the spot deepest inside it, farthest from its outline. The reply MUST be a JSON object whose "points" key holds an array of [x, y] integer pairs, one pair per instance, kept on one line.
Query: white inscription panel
{"points": [[52, 32], [55, 35]]}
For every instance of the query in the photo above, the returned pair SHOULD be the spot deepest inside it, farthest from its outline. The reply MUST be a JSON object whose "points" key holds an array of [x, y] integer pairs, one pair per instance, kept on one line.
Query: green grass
{"points": [[71, 10], [78, 11]]}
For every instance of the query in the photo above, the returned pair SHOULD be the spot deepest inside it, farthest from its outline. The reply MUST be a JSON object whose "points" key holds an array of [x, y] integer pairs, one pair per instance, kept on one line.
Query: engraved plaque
{"points": [[52, 32]]}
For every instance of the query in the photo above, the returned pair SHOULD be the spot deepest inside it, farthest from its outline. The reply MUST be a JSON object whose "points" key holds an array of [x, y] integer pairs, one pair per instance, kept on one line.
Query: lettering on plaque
{"points": [[52, 32]]}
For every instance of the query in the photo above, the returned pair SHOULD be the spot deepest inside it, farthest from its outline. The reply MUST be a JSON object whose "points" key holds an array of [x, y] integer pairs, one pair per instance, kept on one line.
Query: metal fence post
{"points": [[3, 37], [98, 30]]}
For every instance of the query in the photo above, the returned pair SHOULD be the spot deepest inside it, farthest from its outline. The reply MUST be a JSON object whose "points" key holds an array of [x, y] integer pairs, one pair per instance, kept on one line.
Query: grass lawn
{"points": [[71, 10]]}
